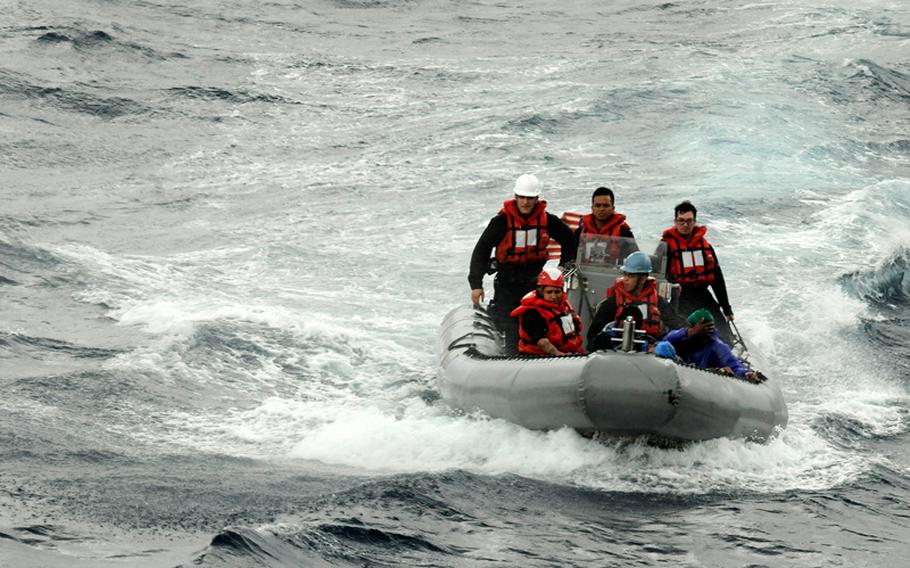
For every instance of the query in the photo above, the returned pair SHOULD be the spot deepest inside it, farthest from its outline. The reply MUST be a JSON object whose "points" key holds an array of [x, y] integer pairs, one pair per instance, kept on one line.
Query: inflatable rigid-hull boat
{"points": [[624, 393]]}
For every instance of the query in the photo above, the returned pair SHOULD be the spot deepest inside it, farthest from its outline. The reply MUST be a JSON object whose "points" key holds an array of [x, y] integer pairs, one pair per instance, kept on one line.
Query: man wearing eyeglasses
{"points": [[692, 263], [520, 233]]}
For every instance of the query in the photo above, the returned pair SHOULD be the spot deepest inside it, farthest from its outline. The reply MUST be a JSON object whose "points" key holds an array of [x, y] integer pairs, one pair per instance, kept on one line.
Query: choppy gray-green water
{"points": [[229, 230]]}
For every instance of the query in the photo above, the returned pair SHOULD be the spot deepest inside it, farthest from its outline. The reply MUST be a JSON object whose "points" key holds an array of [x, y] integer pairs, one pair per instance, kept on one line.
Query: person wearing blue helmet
{"points": [[633, 295]]}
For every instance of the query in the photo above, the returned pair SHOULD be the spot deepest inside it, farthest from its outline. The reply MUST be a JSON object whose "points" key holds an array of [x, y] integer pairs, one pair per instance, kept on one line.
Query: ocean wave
{"points": [[428, 40], [851, 421], [71, 98], [558, 120], [38, 346], [535, 121], [21, 263], [887, 28], [233, 96], [249, 355], [243, 546], [901, 146], [54, 37], [853, 432], [457, 517], [39, 534], [887, 285], [357, 532], [92, 38], [363, 4], [879, 80], [82, 393], [96, 41], [396, 517], [892, 335], [66, 218], [339, 66]]}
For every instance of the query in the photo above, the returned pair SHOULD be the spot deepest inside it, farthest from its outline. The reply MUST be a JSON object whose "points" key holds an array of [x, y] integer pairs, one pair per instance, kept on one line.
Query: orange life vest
{"points": [[612, 226], [563, 325], [645, 301], [691, 261], [526, 239]]}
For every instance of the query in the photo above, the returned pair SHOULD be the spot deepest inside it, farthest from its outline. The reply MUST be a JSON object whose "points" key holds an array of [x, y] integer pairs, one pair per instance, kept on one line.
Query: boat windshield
{"points": [[609, 252]]}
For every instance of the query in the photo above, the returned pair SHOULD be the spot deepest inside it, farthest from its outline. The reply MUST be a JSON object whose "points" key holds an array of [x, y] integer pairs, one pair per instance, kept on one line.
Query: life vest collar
{"points": [[698, 233], [611, 226]]}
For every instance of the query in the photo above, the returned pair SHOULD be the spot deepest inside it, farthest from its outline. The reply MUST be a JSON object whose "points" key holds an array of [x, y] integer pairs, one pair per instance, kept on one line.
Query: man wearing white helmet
{"points": [[519, 233]]}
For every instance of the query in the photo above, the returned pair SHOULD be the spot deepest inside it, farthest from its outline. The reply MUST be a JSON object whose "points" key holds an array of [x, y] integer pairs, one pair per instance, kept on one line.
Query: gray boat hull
{"points": [[628, 394]]}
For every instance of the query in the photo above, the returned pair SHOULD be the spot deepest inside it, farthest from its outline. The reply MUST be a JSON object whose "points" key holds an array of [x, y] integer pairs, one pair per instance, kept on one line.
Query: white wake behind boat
{"points": [[621, 392]]}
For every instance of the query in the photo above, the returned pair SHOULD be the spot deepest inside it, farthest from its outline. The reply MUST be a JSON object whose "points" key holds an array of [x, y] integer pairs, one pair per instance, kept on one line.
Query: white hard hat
{"points": [[527, 185]]}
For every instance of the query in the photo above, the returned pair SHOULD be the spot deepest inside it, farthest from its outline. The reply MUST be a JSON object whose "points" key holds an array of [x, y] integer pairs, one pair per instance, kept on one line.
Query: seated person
{"points": [[547, 325], [699, 344], [634, 294]]}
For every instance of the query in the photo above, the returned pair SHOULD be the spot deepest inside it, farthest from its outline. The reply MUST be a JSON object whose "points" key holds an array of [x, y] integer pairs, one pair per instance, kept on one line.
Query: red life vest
{"points": [[563, 325], [691, 262], [526, 239], [645, 301], [612, 227]]}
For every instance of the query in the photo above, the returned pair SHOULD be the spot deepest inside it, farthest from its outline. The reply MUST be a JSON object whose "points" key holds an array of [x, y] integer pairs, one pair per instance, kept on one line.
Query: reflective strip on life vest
{"points": [[568, 324], [692, 258], [526, 238]]}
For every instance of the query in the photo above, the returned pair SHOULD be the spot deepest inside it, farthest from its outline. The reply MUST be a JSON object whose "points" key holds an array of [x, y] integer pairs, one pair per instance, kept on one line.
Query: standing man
{"points": [[603, 220], [692, 263], [520, 233]]}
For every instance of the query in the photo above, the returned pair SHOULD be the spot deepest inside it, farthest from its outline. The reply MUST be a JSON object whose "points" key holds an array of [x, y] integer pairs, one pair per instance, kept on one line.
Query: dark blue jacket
{"points": [[713, 354]]}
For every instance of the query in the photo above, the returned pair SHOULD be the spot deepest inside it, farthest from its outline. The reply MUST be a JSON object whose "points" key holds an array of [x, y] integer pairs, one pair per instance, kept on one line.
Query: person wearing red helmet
{"points": [[547, 324]]}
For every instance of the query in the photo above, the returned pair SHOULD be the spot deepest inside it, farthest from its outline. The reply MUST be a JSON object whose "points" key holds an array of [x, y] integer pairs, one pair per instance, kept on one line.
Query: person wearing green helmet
{"points": [[632, 295], [699, 344]]}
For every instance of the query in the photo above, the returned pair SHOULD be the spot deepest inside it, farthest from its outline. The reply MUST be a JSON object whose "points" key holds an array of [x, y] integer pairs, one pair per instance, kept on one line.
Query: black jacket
{"points": [[493, 235]]}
